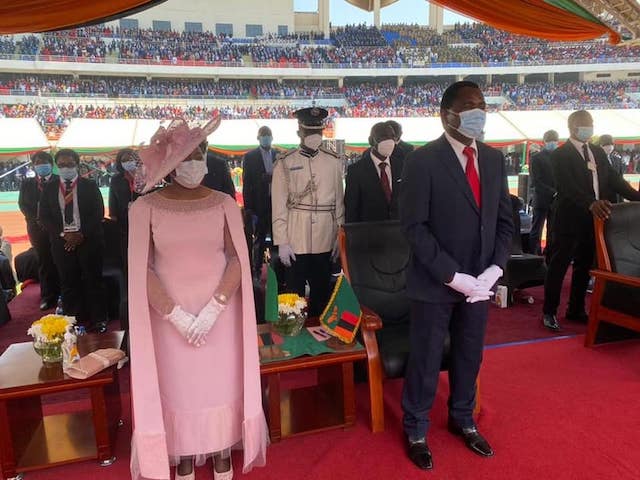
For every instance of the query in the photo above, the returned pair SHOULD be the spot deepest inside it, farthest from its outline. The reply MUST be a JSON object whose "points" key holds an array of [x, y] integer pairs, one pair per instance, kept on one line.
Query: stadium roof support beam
{"points": [[324, 14], [627, 12], [436, 17], [376, 13]]}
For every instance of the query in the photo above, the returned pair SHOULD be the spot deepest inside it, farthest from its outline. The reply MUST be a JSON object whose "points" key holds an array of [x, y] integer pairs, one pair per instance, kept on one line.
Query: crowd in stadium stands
{"points": [[357, 45]]}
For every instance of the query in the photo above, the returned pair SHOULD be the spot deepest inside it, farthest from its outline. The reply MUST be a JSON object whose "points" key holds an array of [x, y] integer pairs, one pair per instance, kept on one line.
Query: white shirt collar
{"points": [[377, 161], [458, 146]]}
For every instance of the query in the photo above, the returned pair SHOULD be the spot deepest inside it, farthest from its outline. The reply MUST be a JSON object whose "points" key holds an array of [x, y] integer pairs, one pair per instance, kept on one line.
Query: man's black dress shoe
{"points": [[472, 439], [420, 455], [551, 322], [578, 317]]}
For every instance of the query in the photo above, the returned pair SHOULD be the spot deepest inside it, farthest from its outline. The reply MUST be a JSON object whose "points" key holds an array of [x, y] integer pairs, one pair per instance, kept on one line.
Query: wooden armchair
{"points": [[616, 294]]}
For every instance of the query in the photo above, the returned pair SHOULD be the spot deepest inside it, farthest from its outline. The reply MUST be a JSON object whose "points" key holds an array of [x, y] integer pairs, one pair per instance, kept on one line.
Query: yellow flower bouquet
{"points": [[48, 334], [292, 313]]}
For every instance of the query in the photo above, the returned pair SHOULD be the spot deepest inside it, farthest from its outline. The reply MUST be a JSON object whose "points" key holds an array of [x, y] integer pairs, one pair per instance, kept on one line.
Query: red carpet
{"points": [[550, 409]]}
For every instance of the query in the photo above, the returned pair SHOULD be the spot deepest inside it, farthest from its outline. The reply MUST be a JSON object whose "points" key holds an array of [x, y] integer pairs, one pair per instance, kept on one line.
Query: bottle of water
{"points": [[59, 309]]}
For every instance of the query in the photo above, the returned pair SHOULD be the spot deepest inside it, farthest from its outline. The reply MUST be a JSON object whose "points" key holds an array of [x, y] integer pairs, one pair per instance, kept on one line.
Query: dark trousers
{"points": [[261, 230], [47, 272], [430, 325], [315, 269], [540, 216], [579, 247], [83, 294]]}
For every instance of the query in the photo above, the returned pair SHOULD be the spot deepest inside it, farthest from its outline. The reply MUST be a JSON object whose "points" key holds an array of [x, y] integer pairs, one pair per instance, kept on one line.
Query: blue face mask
{"points": [[43, 170], [265, 141], [551, 146], [472, 123], [129, 166], [584, 134], [68, 173]]}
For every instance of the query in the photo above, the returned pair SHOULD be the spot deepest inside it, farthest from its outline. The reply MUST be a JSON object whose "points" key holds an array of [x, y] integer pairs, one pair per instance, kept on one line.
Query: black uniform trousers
{"points": [[540, 216], [578, 246], [83, 294], [47, 272], [261, 230], [430, 324], [316, 269]]}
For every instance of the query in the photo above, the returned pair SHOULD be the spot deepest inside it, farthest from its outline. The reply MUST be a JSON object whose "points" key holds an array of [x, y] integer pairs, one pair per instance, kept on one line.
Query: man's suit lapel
{"points": [[452, 165], [487, 176]]}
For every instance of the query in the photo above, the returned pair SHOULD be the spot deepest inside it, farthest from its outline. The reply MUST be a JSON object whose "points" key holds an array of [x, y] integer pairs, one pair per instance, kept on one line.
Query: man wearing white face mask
{"points": [[456, 214], [307, 209], [542, 185], [606, 142], [585, 181], [373, 183]]}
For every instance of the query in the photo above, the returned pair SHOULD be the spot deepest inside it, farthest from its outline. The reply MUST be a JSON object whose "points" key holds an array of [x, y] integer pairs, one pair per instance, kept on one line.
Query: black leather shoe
{"points": [[100, 327], [578, 317], [472, 439], [420, 455], [551, 322]]}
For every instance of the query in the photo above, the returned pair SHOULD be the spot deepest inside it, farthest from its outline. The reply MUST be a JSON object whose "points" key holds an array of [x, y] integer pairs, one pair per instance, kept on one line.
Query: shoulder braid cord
{"points": [[295, 198]]}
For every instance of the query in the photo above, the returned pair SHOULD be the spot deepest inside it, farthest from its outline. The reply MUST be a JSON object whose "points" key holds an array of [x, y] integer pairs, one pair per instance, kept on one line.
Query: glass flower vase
{"points": [[290, 325], [49, 351]]}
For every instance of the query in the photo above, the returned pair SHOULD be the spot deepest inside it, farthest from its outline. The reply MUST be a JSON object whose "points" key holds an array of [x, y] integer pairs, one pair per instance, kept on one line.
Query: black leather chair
{"points": [[615, 302], [113, 274], [377, 256], [523, 270]]}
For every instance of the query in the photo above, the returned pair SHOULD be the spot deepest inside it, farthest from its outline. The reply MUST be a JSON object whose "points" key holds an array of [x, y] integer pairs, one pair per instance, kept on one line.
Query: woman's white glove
{"points": [[181, 320], [203, 323], [285, 252]]}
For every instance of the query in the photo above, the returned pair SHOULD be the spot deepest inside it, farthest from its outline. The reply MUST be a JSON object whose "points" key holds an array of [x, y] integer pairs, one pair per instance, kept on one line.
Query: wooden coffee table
{"points": [[328, 404], [31, 441]]}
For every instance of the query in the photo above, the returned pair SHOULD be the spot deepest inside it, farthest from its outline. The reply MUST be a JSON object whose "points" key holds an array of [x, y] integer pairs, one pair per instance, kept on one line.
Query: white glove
{"points": [[490, 276], [464, 283], [181, 320], [479, 294], [285, 252], [203, 323]]}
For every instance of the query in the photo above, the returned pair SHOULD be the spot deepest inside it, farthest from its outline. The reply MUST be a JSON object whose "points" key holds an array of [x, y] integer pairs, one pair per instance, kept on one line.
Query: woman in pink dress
{"points": [[194, 360]]}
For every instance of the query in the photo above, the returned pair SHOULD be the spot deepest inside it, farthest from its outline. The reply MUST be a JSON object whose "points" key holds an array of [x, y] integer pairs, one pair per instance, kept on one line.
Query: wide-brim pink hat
{"points": [[168, 147]]}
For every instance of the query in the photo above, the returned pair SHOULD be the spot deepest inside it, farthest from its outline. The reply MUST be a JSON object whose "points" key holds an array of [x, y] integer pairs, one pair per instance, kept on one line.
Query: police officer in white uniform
{"points": [[307, 209]]}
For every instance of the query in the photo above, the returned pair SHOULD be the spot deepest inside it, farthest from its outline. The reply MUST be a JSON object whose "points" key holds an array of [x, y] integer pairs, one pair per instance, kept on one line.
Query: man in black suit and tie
{"points": [[585, 180], [373, 182], [72, 210], [29, 203], [614, 158], [457, 216], [544, 191], [257, 168]]}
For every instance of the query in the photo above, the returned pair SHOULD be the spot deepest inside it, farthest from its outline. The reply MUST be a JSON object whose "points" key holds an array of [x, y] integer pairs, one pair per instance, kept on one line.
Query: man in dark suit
{"points": [[457, 216], [402, 148], [606, 142], [373, 183], [72, 211], [29, 203], [257, 168], [218, 176], [541, 176], [585, 180]]}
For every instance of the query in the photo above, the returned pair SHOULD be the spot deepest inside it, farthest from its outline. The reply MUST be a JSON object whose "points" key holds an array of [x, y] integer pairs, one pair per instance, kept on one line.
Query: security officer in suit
{"points": [[543, 189], [606, 142], [72, 211], [373, 182], [307, 209], [257, 169], [456, 213], [29, 203], [585, 180]]}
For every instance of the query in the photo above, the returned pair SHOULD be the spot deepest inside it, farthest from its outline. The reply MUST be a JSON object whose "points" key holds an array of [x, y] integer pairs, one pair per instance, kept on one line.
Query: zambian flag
{"points": [[271, 296], [341, 317]]}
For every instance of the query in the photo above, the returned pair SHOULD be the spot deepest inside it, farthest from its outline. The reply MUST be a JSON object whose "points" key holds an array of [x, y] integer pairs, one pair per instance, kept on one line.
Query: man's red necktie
{"points": [[384, 181], [472, 173]]}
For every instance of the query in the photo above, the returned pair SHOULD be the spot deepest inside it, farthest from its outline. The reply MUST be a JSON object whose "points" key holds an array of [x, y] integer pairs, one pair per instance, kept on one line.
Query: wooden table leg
{"points": [[19, 419], [273, 396], [7, 454], [349, 397]]}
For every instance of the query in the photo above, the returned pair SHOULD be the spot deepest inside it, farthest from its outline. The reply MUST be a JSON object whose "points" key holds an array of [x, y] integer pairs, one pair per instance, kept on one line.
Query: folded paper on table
{"points": [[94, 363]]}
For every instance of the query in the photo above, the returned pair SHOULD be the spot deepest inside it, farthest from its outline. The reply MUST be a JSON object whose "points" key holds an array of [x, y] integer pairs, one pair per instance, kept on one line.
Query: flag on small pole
{"points": [[271, 296], [342, 315]]}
